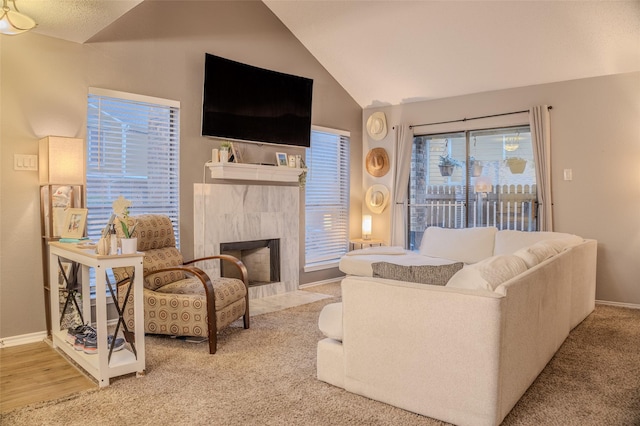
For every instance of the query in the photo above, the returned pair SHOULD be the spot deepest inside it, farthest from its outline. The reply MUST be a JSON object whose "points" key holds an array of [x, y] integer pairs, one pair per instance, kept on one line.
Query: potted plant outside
{"points": [[447, 164], [475, 167], [516, 164]]}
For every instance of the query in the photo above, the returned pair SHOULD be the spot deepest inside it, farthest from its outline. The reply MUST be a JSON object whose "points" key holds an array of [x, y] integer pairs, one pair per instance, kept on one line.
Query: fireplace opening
{"points": [[261, 257]]}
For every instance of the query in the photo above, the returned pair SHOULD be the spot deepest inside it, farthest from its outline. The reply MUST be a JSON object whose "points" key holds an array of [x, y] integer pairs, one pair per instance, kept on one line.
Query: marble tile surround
{"points": [[229, 212]]}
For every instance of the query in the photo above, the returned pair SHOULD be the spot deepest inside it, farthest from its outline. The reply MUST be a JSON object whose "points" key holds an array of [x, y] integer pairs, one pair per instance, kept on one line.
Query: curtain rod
{"points": [[411, 126]]}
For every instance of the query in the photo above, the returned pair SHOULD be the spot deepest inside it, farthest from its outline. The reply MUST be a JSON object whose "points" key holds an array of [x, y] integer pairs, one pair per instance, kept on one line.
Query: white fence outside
{"points": [[503, 206]]}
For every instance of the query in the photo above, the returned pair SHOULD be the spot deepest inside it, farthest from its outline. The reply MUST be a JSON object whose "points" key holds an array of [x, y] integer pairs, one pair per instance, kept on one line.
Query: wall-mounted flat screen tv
{"points": [[253, 104]]}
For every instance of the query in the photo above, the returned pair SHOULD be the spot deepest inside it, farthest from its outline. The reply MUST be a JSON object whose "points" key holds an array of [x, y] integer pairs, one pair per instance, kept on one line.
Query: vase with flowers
{"points": [[128, 243]]}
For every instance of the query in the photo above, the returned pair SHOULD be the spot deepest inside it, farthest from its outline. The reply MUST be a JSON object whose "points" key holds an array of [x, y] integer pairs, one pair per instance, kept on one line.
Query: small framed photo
{"points": [[236, 153], [282, 159], [74, 223]]}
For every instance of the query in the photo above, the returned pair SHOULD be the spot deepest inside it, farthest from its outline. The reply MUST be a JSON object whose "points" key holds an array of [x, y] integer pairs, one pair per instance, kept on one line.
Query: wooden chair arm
{"points": [[225, 257], [245, 278]]}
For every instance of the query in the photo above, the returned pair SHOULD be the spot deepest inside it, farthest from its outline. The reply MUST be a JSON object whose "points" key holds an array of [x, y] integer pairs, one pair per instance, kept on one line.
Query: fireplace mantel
{"points": [[254, 172]]}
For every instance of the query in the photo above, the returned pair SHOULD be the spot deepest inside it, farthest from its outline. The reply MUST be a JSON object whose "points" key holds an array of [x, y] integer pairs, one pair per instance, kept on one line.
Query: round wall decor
{"points": [[377, 198], [377, 162], [377, 125]]}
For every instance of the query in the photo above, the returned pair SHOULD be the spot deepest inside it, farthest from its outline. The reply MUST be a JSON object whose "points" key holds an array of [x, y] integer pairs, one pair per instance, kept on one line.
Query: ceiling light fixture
{"points": [[13, 22]]}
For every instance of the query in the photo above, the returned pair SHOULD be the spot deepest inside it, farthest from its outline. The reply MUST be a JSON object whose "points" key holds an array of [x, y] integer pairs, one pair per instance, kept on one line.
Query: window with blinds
{"points": [[326, 199], [133, 146]]}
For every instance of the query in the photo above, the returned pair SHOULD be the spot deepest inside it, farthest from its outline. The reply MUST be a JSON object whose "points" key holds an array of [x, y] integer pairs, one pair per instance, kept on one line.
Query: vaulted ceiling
{"points": [[391, 52]]}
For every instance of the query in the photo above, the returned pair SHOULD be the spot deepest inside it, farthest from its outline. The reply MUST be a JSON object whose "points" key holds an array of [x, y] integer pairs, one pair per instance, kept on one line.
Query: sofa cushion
{"points": [[489, 273], [469, 278], [561, 244], [469, 245], [424, 274], [330, 321], [509, 241], [536, 253]]}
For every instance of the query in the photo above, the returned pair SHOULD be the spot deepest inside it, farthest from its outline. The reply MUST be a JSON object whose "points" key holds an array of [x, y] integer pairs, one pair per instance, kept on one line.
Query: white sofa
{"points": [[464, 352]]}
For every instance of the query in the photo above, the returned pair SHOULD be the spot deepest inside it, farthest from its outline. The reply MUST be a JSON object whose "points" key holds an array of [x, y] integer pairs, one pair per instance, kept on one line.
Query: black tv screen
{"points": [[248, 103]]}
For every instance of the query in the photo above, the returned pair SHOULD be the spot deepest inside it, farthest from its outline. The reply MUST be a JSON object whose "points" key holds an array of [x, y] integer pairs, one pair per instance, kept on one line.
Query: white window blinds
{"points": [[132, 150], [326, 199]]}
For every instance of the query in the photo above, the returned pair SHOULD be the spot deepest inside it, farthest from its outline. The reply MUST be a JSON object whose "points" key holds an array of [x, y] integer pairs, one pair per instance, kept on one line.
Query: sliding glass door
{"points": [[473, 178]]}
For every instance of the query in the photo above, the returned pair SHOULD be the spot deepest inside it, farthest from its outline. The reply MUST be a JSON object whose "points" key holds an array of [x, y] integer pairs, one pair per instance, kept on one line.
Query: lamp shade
{"points": [[366, 226], [61, 161]]}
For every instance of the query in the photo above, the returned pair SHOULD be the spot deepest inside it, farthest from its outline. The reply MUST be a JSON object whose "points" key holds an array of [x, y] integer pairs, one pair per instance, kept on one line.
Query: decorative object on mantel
{"points": [[302, 179], [377, 126], [377, 198], [377, 162], [516, 164], [224, 151], [236, 154], [282, 160]]}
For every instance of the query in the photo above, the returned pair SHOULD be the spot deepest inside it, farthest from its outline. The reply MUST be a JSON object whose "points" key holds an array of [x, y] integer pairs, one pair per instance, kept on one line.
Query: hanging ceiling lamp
{"points": [[511, 143], [13, 22]]}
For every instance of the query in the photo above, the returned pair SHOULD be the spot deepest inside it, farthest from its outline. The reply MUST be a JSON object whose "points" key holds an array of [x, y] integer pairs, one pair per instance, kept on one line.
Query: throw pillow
{"points": [[499, 269], [489, 273], [536, 253], [470, 278], [469, 245], [423, 274], [509, 241]]}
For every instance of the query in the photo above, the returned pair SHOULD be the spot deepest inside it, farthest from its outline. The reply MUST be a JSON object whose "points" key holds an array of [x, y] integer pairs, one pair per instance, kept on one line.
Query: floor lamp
{"points": [[62, 173]]}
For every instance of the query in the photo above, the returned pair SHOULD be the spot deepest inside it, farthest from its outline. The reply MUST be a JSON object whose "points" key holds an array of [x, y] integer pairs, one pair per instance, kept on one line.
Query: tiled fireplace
{"points": [[239, 214]]}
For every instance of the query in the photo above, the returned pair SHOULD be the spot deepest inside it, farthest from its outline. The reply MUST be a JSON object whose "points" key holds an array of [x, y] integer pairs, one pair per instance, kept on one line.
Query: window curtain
{"points": [[539, 121], [404, 144]]}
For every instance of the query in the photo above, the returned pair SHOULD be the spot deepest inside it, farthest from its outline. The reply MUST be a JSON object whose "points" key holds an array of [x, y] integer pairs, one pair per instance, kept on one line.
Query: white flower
{"points": [[121, 207]]}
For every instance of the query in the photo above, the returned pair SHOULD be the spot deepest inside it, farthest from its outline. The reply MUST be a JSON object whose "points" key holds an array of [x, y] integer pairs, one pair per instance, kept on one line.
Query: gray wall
{"points": [[595, 131], [155, 50]]}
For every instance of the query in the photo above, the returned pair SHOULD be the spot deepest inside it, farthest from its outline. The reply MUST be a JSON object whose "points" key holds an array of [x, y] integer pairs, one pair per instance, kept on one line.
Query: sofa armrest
{"points": [[428, 349]]}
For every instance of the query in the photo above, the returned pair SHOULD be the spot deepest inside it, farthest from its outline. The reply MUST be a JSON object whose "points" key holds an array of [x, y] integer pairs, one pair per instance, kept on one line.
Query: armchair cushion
{"points": [[168, 257], [226, 290]]}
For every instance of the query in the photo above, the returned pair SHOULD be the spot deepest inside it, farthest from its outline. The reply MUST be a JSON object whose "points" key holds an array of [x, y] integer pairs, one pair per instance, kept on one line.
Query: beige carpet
{"points": [[266, 376]]}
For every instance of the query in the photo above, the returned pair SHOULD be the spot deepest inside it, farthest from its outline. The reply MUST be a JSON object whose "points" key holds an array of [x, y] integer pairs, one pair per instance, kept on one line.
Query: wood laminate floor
{"points": [[36, 372]]}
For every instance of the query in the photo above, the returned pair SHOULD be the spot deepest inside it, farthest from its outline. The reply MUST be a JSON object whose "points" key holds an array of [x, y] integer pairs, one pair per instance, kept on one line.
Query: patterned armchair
{"points": [[181, 299]]}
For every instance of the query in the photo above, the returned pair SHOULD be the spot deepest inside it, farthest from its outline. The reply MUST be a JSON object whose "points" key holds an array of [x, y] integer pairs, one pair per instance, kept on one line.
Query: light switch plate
{"points": [[568, 174], [25, 162]]}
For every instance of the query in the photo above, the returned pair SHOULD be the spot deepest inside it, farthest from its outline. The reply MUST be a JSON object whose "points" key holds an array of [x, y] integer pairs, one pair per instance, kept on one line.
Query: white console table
{"points": [[104, 364]]}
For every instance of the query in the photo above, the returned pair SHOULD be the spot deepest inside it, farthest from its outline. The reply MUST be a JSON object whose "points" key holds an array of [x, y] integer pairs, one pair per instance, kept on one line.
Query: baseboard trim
{"points": [[315, 283], [618, 304], [34, 337], [23, 339]]}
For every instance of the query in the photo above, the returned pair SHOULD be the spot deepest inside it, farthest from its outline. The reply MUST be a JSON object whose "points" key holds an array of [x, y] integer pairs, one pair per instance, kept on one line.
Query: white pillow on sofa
{"points": [[537, 253], [468, 245], [508, 241], [470, 278], [488, 274]]}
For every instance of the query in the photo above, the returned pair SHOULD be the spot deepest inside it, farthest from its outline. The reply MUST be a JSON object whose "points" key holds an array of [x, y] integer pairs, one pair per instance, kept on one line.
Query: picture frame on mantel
{"points": [[282, 159]]}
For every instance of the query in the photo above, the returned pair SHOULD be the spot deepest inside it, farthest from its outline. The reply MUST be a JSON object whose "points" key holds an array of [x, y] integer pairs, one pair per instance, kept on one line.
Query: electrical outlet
{"points": [[25, 162]]}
